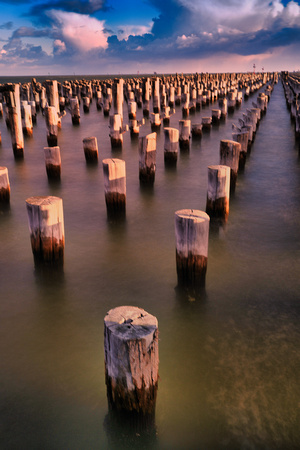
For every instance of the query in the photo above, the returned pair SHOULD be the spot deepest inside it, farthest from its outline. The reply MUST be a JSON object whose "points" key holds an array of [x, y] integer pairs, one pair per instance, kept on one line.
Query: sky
{"points": [[66, 37]]}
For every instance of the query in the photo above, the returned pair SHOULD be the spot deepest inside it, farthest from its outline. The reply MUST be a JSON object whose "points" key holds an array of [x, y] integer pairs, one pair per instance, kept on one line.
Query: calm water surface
{"points": [[229, 362]]}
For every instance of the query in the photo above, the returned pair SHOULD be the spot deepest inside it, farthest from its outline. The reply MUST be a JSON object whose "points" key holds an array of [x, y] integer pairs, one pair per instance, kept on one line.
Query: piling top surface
{"points": [[42, 200], [130, 322], [193, 214], [3, 169], [219, 167]]}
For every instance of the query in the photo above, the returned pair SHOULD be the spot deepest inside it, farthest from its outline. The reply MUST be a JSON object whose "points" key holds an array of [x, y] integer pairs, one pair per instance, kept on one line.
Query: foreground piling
{"points": [[46, 226], [192, 232], [114, 173], [4, 186], [131, 361], [147, 158], [218, 191]]}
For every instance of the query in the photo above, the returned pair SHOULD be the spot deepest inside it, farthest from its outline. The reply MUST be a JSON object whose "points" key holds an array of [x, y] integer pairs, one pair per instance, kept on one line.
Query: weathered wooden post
{"points": [[156, 95], [116, 130], [171, 145], [4, 186], [134, 127], [131, 361], [242, 138], [197, 130], [229, 156], [171, 96], [155, 121], [53, 98], [52, 127], [147, 158], [27, 120], [186, 104], [33, 106], [86, 104], [90, 148], [132, 110], [216, 116], [206, 123], [17, 138], [46, 226], [75, 110], [192, 233], [218, 191], [223, 107], [114, 173], [184, 134], [53, 162]]}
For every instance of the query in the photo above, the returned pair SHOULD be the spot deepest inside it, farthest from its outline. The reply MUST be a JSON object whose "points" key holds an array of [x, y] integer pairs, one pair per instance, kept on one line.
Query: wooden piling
{"points": [[242, 137], [196, 130], [192, 233], [46, 226], [116, 130], [53, 162], [184, 134], [86, 104], [155, 121], [229, 156], [4, 186], [171, 145], [90, 148], [147, 158], [27, 120], [16, 131], [52, 127], [131, 360], [75, 110], [218, 191], [114, 173]]}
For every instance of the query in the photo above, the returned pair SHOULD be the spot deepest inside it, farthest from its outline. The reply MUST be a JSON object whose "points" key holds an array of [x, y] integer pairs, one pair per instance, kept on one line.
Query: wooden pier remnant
{"points": [[4, 186], [196, 130], [131, 361], [218, 191], [147, 158], [114, 172], [27, 120], [171, 145], [229, 156], [53, 162], [75, 110], [116, 130], [223, 107], [184, 134], [46, 226], [192, 233], [52, 125], [242, 137], [90, 148]]}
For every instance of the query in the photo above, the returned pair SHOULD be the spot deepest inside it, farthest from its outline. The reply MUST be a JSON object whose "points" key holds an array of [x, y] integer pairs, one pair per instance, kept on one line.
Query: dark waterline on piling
{"points": [[229, 362]]}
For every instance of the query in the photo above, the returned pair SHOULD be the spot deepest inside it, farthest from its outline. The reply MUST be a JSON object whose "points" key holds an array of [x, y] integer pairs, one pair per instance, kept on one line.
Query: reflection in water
{"points": [[130, 431]]}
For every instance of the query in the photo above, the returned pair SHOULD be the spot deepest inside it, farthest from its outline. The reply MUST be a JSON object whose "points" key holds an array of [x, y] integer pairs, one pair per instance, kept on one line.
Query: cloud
{"points": [[6, 26], [79, 31], [59, 47], [124, 31]]}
